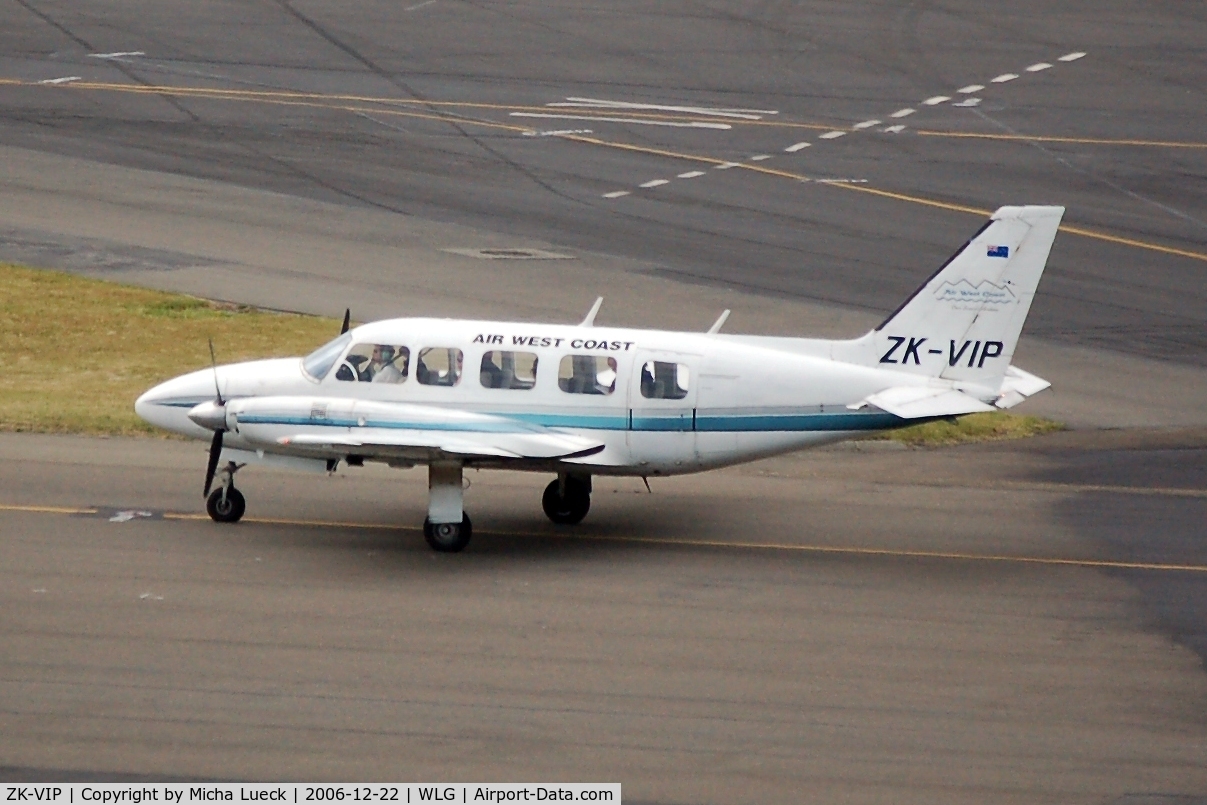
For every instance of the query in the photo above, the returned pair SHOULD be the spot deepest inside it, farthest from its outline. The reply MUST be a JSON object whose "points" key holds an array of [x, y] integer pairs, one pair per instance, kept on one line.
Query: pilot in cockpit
{"points": [[381, 368]]}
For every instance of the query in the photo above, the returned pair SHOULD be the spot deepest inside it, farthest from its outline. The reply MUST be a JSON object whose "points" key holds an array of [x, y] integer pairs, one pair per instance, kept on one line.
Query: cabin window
{"points": [[508, 370], [587, 374], [439, 366], [375, 363], [661, 380], [318, 363]]}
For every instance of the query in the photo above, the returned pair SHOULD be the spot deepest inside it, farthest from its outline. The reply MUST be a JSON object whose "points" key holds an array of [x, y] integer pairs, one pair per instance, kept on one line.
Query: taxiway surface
{"points": [[1010, 624]]}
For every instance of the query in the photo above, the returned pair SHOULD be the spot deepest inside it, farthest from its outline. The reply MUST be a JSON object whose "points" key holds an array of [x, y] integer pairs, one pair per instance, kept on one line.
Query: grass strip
{"points": [[76, 352]]}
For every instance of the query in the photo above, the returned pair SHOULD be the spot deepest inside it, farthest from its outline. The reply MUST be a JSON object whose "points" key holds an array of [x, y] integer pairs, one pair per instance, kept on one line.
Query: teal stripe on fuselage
{"points": [[704, 423]]}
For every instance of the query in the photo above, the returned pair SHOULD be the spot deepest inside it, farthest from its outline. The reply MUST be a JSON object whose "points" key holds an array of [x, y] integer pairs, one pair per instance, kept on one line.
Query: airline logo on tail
{"points": [[998, 251], [963, 292]]}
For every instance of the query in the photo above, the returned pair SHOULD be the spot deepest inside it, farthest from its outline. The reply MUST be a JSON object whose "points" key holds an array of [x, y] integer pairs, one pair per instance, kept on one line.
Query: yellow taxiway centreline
{"points": [[900, 553], [1039, 138], [13, 507]]}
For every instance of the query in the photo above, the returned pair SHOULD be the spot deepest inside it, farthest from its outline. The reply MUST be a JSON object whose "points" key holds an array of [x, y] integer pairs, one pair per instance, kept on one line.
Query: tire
{"points": [[568, 509], [226, 511], [448, 537]]}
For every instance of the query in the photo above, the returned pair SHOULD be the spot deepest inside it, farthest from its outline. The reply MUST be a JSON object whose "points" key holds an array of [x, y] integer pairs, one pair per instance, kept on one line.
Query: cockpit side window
{"points": [[587, 374], [375, 363], [508, 370], [439, 366], [662, 380], [318, 363]]}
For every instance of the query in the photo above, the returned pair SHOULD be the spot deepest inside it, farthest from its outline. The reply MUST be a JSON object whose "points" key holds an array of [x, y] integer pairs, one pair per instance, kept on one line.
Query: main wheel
{"points": [[448, 537], [228, 509], [569, 508]]}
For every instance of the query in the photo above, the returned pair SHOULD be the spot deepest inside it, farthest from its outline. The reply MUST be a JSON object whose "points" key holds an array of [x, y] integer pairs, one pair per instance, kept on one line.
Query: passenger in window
{"points": [[438, 366], [587, 374], [662, 380], [508, 370]]}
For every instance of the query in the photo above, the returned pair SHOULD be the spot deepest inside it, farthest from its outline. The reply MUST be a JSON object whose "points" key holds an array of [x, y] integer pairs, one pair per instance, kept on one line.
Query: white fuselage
{"points": [[660, 402]]}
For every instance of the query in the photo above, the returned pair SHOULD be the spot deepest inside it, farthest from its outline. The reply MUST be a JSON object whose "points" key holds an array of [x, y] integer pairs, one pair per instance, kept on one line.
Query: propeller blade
{"points": [[347, 320], [214, 363], [212, 467]]}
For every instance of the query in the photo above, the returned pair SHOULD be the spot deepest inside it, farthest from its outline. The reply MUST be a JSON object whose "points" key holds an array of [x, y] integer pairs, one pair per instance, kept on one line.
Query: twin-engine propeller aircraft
{"points": [[580, 401]]}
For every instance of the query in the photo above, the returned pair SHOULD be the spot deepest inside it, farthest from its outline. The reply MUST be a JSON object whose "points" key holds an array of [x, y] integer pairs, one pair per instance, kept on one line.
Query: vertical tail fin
{"points": [[964, 322]]}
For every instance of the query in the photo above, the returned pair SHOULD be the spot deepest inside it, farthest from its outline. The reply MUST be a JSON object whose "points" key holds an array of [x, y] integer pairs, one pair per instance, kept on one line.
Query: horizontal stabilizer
{"points": [[1018, 386], [919, 402]]}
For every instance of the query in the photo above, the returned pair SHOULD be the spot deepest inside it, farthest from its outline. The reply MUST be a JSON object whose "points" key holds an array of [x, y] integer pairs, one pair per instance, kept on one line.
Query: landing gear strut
{"points": [[447, 528], [226, 504], [568, 499]]}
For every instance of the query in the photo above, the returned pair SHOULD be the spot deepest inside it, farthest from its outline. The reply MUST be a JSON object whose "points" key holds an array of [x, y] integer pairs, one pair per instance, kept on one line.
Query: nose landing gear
{"points": [[568, 499]]}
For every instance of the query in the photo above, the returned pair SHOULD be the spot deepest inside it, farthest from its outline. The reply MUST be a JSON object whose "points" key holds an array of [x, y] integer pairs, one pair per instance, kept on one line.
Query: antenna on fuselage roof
{"points": [[716, 325], [590, 320]]}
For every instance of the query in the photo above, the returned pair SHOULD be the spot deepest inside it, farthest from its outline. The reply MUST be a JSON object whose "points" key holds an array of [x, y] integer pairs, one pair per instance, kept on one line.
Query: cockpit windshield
{"points": [[318, 363]]}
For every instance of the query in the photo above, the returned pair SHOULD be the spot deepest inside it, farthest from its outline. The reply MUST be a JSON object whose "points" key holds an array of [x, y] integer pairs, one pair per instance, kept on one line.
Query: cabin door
{"points": [[662, 407]]}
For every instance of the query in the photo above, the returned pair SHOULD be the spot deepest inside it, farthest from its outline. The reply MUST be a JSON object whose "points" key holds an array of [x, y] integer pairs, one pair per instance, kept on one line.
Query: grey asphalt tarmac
{"points": [[821, 627], [1006, 624]]}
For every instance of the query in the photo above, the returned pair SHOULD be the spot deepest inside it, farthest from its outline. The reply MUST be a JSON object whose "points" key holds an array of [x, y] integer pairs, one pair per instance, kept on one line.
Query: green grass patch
{"points": [[76, 352], [987, 427]]}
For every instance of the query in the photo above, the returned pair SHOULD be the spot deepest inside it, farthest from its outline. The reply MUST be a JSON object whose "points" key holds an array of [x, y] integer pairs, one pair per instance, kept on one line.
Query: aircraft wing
{"points": [[322, 426], [426, 445], [917, 402]]}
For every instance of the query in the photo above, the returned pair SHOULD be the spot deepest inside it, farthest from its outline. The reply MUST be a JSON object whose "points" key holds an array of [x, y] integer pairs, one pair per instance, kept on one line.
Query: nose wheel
{"points": [[226, 504], [567, 500]]}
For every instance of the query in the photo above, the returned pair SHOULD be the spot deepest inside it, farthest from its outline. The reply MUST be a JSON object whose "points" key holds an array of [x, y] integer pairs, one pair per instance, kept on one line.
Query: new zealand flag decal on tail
{"points": [[998, 251]]}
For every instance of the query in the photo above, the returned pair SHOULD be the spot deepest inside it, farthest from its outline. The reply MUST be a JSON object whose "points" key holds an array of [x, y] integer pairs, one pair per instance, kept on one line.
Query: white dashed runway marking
{"points": [[865, 125], [637, 121]]}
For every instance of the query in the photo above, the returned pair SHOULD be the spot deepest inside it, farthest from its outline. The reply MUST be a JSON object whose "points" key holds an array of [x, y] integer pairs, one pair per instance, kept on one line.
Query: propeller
{"points": [[212, 415], [344, 329]]}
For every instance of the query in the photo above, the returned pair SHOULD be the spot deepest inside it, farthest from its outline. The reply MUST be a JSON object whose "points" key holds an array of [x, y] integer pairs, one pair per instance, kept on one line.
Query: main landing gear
{"points": [[568, 499], [226, 504], [447, 528]]}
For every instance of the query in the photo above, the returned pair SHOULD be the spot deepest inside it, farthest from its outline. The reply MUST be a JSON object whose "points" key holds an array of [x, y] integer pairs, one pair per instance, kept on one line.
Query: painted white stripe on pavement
{"points": [[697, 124], [760, 157], [936, 100], [119, 54], [832, 135], [724, 166], [902, 113], [1071, 56], [971, 88], [691, 174], [792, 149], [597, 103], [655, 183], [893, 129], [67, 79], [968, 102], [867, 124], [1003, 78], [1035, 68], [616, 194]]}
